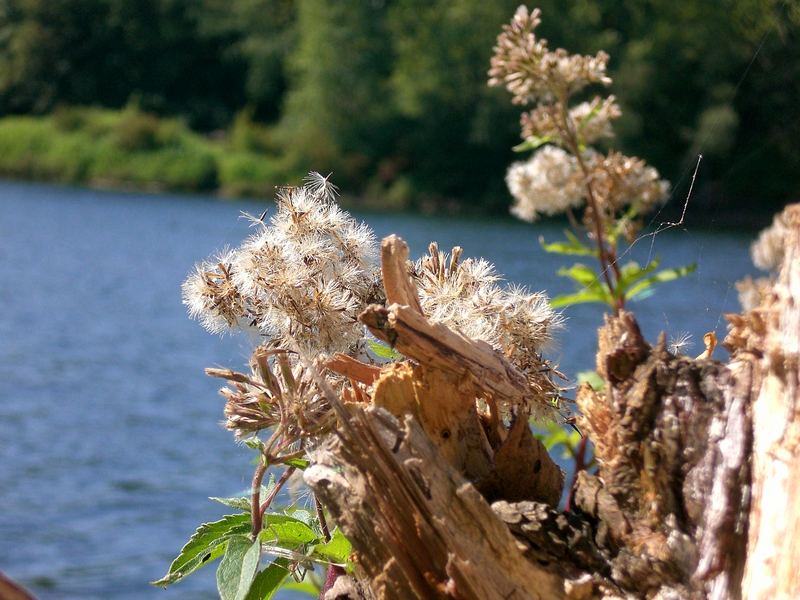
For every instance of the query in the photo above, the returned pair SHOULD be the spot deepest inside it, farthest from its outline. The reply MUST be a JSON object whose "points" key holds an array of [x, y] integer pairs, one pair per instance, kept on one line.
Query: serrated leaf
{"points": [[238, 568], [301, 514], [660, 277], [337, 550], [383, 351], [240, 502], [269, 580], [207, 544], [286, 532], [532, 143]]}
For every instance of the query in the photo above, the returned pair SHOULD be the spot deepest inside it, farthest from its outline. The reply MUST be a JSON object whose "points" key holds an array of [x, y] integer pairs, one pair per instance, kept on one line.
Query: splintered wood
{"points": [[697, 493]]}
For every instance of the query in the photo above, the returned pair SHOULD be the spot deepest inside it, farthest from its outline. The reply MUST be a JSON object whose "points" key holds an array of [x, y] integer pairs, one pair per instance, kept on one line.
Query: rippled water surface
{"points": [[109, 431]]}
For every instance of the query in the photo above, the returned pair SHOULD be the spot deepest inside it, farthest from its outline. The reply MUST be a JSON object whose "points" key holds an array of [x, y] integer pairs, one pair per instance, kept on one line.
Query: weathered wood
{"points": [[419, 529], [671, 434], [697, 491], [773, 557]]}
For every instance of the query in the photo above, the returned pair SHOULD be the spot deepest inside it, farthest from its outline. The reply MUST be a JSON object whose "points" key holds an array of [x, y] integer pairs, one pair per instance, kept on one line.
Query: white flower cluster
{"points": [[302, 280], [548, 183], [467, 296]]}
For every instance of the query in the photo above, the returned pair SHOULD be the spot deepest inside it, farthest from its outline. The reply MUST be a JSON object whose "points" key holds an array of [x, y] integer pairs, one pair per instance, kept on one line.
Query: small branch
{"points": [[580, 465], [255, 498], [274, 492], [323, 524], [605, 264]]}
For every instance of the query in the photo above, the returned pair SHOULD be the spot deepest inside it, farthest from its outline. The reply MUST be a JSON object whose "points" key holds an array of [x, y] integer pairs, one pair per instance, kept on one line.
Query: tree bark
{"points": [[697, 494]]}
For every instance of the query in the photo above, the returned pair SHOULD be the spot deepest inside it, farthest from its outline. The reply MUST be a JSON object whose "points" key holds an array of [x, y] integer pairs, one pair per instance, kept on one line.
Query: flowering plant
{"points": [[566, 174]]}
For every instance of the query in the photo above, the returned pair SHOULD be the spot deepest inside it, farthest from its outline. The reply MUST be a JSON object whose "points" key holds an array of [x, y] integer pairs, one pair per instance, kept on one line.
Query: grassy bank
{"points": [[132, 149]]}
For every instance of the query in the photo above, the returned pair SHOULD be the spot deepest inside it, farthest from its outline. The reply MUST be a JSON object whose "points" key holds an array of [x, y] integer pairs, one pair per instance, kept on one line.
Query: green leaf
{"points": [[533, 142], [632, 272], [301, 514], [298, 463], [286, 532], [581, 274], [243, 502], [572, 246], [336, 551], [269, 580], [240, 502], [660, 277], [593, 379], [254, 443], [207, 544], [383, 351], [304, 587], [556, 435], [580, 298], [238, 568]]}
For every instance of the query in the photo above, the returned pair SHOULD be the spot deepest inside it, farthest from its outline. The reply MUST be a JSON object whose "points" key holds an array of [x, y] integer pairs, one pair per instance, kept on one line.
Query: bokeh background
{"points": [[110, 436], [237, 96]]}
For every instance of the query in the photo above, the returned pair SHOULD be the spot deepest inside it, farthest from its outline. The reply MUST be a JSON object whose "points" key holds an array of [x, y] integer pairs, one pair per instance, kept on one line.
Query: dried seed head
{"points": [[301, 280], [467, 297], [276, 394]]}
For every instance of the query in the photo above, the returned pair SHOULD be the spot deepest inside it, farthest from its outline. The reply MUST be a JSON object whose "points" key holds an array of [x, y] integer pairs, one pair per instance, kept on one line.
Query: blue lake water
{"points": [[110, 440]]}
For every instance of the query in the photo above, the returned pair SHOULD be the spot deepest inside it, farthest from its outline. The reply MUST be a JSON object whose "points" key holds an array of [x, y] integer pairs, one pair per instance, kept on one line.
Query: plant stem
{"points": [[580, 465], [255, 498], [322, 522], [274, 492], [573, 144]]}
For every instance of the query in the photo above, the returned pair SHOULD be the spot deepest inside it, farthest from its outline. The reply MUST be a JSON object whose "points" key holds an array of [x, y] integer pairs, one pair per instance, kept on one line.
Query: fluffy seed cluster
{"points": [[529, 70], [571, 174], [549, 183], [301, 280], [276, 395], [468, 297], [552, 182]]}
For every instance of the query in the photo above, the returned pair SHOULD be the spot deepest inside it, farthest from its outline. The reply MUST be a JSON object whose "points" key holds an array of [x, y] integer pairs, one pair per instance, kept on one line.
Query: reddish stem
{"points": [[580, 465], [255, 499]]}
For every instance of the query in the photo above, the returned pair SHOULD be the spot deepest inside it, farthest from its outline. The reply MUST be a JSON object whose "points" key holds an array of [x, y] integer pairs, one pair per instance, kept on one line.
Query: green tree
{"points": [[337, 107]]}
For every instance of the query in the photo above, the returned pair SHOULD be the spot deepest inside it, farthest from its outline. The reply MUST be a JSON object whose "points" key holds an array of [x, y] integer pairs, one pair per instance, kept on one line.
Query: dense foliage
{"points": [[391, 94]]}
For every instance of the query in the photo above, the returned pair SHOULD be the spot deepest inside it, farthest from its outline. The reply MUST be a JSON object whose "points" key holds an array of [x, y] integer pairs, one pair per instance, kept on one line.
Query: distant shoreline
{"points": [[132, 151]]}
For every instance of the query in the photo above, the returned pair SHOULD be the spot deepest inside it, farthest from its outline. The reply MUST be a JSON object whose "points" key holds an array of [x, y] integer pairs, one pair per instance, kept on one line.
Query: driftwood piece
{"points": [[419, 529]]}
